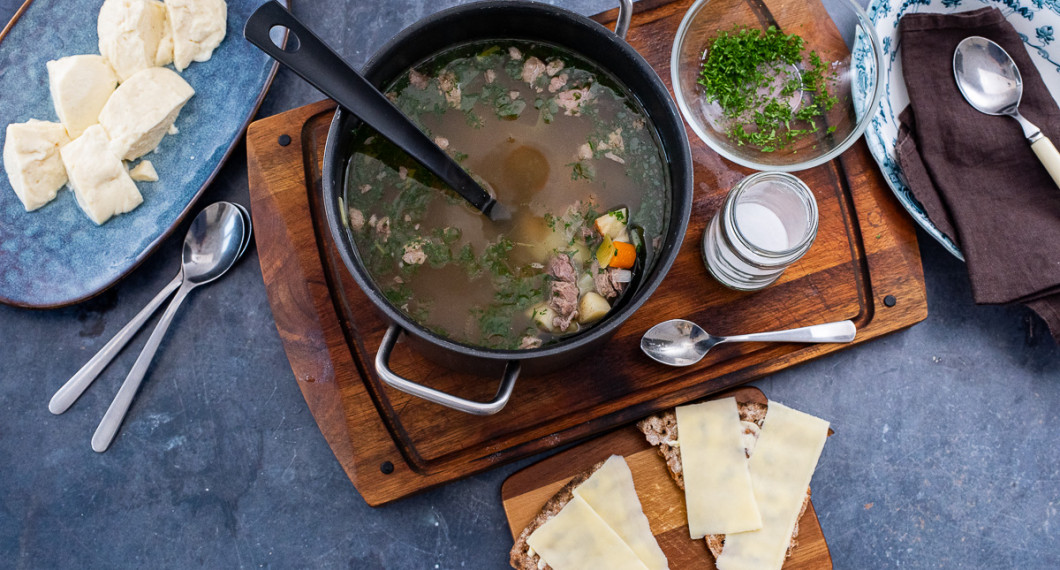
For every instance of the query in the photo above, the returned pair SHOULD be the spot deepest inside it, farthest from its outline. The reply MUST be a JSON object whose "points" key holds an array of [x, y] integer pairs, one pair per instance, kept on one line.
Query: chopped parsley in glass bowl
{"points": [[776, 87]]}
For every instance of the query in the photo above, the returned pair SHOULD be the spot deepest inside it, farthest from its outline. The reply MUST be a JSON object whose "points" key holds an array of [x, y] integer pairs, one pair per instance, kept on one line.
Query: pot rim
{"points": [[675, 151]]}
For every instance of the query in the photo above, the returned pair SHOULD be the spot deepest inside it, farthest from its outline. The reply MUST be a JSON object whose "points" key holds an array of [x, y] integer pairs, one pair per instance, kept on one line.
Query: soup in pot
{"points": [[562, 145]]}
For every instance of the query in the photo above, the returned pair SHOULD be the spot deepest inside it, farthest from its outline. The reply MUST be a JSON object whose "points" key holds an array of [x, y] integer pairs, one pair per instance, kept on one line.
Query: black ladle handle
{"points": [[309, 57]]}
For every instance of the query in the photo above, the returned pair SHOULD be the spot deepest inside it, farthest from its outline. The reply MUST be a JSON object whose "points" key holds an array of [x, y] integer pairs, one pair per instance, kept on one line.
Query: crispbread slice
{"points": [[522, 557], [661, 431]]}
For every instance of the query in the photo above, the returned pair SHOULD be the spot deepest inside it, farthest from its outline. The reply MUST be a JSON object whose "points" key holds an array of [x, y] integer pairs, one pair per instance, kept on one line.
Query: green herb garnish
{"points": [[582, 170], [753, 74]]}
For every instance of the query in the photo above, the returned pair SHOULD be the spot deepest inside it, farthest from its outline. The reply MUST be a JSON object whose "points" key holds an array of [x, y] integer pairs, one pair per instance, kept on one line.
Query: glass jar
{"points": [[768, 221]]}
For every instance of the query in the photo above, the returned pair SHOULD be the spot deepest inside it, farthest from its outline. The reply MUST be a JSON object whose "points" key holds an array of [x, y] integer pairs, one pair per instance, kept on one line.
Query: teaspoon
{"points": [[992, 84], [211, 247], [80, 381], [684, 343]]}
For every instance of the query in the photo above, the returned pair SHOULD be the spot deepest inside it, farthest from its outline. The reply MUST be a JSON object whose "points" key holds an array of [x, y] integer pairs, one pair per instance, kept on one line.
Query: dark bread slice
{"points": [[661, 431], [520, 557]]}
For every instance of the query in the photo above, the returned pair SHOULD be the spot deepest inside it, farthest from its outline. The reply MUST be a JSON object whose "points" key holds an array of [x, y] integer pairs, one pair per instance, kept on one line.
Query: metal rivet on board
{"points": [[284, 140], [890, 301], [387, 468]]}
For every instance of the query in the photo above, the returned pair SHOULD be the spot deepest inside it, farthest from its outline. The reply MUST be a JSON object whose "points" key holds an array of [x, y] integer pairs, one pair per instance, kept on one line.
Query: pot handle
{"points": [[390, 378], [625, 14]]}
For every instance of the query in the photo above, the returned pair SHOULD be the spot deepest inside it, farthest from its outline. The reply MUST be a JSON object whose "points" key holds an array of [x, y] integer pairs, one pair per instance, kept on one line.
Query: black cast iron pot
{"points": [[499, 20]]}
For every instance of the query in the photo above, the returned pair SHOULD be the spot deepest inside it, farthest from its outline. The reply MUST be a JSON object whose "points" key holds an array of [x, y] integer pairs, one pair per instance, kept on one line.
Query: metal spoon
{"points": [[308, 56], [79, 382], [684, 343], [211, 247], [248, 227], [991, 82]]}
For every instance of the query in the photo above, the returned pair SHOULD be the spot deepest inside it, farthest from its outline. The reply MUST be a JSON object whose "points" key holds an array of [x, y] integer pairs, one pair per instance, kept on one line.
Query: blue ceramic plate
{"points": [[1037, 22], [56, 256]]}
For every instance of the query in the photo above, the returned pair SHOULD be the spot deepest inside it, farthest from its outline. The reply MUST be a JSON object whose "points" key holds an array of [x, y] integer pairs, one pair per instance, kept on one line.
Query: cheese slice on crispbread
{"points": [[719, 497], [594, 521], [661, 431], [782, 465]]}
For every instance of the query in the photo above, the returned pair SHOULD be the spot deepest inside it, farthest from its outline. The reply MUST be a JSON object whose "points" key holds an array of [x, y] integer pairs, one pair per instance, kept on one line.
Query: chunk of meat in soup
{"points": [[557, 83], [530, 342], [571, 100], [561, 268], [605, 282], [532, 69], [564, 302]]}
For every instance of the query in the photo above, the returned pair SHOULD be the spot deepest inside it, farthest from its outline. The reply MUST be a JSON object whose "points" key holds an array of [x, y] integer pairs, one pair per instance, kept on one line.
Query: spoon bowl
{"points": [[683, 343], [213, 243], [987, 77], [989, 80], [248, 225]]}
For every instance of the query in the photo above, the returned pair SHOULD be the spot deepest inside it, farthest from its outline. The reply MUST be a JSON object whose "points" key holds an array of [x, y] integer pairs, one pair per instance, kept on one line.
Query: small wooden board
{"points": [[527, 490], [392, 444]]}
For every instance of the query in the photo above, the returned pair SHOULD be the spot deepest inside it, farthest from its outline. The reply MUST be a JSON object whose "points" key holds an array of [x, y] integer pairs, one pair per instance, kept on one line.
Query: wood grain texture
{"points": [[392, 444], [525, 492]]}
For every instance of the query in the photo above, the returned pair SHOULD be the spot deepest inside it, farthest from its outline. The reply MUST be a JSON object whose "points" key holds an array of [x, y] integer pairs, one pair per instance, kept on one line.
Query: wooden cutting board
{"points": [[864, 266], [527, 490]]}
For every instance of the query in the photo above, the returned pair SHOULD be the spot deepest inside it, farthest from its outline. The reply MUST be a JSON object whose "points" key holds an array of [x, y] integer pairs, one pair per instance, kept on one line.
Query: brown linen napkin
{"points": [[975, 174]]}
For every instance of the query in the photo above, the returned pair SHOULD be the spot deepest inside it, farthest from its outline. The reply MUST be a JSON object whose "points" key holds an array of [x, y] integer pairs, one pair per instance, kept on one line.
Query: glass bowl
{"points": [[840, 33]]}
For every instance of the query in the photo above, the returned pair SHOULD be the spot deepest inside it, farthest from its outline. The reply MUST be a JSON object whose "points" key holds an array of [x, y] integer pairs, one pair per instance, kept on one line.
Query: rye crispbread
{"points": [[661, 431], [522, 557]]}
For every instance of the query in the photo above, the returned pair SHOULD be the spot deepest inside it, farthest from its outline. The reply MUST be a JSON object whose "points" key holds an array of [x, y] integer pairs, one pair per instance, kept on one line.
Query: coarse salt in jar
{"points": [[768, 221]]}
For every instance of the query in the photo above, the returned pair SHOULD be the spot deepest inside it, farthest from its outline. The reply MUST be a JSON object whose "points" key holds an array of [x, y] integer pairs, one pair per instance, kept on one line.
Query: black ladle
{"points": [[308, 56]]}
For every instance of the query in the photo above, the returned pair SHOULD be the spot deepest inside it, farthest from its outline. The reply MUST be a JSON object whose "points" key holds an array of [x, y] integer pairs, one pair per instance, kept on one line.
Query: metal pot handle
{"points": [[625, 13], [390, 378]]}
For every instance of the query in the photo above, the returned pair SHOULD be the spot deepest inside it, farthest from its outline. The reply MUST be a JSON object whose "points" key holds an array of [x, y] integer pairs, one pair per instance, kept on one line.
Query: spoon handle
{"points": [[1045, 151], [111, 421], [79, 382], [842, 331]]}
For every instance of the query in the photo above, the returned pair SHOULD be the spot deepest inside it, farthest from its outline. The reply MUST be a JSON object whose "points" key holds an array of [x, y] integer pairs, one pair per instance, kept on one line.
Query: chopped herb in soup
{"points": [[562, 145]]}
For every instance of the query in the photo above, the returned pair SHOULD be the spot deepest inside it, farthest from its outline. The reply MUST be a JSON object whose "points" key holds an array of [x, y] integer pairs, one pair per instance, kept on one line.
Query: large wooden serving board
{"points": [[864, 266], [527, 490]]}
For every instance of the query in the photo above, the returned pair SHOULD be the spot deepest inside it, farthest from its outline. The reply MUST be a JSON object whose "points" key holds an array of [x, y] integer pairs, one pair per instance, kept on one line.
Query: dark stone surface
{"points": [[945, 452]]}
